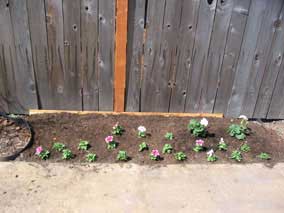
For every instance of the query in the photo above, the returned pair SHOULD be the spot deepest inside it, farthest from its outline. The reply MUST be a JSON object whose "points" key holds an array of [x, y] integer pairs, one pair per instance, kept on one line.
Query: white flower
{"points": [[204, 122], [221, 140], [210, 153], [141, 129], [243, 117]]}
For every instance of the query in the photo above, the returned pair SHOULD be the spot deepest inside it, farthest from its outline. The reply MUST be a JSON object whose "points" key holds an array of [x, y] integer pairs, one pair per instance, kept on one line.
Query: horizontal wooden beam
{"points": [[207, 115]]}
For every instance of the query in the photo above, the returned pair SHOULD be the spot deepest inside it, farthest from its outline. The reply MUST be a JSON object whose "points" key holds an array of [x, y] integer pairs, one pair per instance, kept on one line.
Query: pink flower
{"points": [[199, 142], [39, 150], [155, 152], [109, 139]]}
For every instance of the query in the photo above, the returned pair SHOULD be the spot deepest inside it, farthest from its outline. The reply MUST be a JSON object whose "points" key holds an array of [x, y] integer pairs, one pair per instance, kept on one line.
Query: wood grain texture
{"points": [[106, 53], [89, 55], [135, 42], [4, 107]]}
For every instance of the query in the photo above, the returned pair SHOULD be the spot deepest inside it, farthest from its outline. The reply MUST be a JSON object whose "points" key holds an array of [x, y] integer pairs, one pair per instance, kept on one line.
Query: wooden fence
{"points": [[182, 56]]}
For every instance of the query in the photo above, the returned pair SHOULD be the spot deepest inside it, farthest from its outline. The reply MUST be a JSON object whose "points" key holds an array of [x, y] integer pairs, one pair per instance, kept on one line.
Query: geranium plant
{"points": [[169, 136], [67, 154], [199, 145], [111, 144], [83, 145], [198, 128], [141, 131], [117, 129], [155, 155], [222, 146], [91, 157], [211, 157], [122, 156], [180, 156], [264, 156], [236, 155], [245, 148], [43, 154], [239, 131], [58, 147], [167, 148], [143, 146]]}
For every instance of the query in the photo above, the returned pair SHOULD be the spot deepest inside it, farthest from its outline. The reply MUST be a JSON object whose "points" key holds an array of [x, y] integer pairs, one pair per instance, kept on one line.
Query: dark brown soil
{"points": [[70, 129], [14, 137]]}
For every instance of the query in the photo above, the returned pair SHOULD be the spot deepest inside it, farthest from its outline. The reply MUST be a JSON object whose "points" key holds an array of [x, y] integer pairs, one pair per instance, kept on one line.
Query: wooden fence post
{"points": [[120, 54]]}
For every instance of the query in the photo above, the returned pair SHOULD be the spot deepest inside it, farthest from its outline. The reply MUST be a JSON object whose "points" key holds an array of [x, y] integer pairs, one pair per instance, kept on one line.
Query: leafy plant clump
{"points": [[43, 154], [111, 144], [67, 154], [143, 146], [199, 146], [239, 131], [117, 129], [142, 131], [237, 156], [169, 136], [211, 157], [180, 156], [155, 155], [58, 147], [91, 157], [83, 145], [245, 148], [167, 148], [264, 156], [198, 128], [222, 146], [122, 156]]}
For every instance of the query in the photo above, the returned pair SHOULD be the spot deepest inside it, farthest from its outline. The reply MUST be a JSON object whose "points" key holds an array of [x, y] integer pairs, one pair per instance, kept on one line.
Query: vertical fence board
{"points": [[211, 73], [106, 53], [247, 55], [200, 52], [3, 79], [272, 70], [136, 13], [89, 62], [24, 71], [263, 46], [184, 52], [231, 54]]}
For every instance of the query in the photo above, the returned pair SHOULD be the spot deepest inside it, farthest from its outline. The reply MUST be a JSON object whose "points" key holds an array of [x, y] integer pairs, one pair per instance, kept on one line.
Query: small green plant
{"points": [[237, 155], [239, 131], [222, 146], [43, 154], [211, 157], [245, 148], [198, 129], [83, 145], [117, 129], [58, 147], [111, 144], [142, 131], [67, 154], [155, 155], [122, 156], [91, 157], [199, 146], [143, 146], [167, 148], [180, 156], [169, 136], [264, 156]]}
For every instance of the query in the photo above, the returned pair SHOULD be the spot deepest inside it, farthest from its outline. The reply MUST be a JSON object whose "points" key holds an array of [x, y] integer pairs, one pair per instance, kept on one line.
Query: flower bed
{"points": [[164, 140]]}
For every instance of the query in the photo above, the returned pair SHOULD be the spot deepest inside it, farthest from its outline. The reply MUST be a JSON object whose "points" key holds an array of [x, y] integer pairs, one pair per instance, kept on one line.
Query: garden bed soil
{"points": [[71, 128]]}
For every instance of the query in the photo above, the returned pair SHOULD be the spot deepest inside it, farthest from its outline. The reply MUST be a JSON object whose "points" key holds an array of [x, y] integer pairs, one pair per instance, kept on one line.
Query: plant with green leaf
{"points": [[222, 146], [143, 146], [67, 154], [122, 156], [83, 145], [180, 156], [155, 155], [142, 131], [237, 155], [43, 154], [211, 157], [198, 128], [264, 156], [111, 144], [91, 157], [239, 131], [169, 136], [58, 147], [117, 129], [167, 148], [245, 148], [199, 145]]}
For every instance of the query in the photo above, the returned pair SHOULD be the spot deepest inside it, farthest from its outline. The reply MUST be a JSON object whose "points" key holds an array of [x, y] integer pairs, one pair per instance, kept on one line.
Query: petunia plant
{"points": [[169, 136], [122, 156], [58, 147], [117, 129], [143, 146], [237, 155], [222, 146], [180, 156], [141, 131], [155, 155], [245, 148], [83, 145], [211, 157], [167, 148], [199, 145], [264, 156], [91, 157], [239, 131], [111, 144], [198, 128], [43, 154], [67, 154]]}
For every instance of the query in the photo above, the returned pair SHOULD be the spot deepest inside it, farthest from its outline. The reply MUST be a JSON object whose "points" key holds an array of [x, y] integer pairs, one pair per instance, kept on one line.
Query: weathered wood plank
{"points": [[247, 55], [89, 63], [3, 79], [72, 49], [211, 72], [184, 52], [260, 60], [136, 13], [231, 54], [106, 53], [271, 71], [200, 53], [24, 71], [37, 26]]}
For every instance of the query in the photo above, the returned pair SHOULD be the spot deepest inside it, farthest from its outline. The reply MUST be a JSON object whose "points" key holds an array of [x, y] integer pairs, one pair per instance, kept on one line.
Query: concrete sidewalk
{"points": [[30, 187]]}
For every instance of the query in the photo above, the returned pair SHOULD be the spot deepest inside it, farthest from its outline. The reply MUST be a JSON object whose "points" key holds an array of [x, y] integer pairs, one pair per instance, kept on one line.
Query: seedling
{"points": [[141, 132], [239, 131], [91, 157], [155, 155], [67, 154], [111, 144], [143, 146], [122, 156], [222, 146], [199, 146], [245, 148], [180, 156], [264, 156], [211, 157], [43, 154], [117, 129], [83, 145], [237, 155], [167, 148], [198, 129], [58, 147], [169, 136]]}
